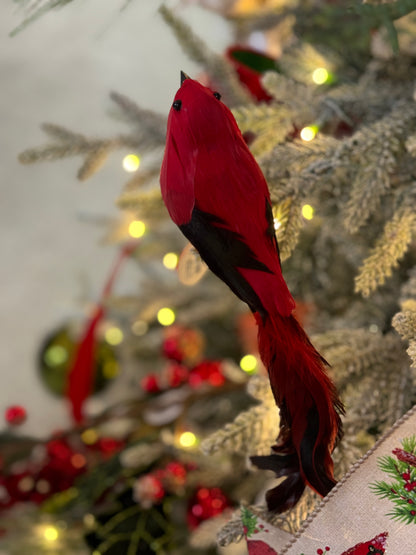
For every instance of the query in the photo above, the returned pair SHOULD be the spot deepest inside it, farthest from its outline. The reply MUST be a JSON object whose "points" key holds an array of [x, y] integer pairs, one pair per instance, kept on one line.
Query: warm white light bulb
{"points": [[137, 229], [166, 316], [248, 363], [308, 133], [320, 75], [131, 162]]}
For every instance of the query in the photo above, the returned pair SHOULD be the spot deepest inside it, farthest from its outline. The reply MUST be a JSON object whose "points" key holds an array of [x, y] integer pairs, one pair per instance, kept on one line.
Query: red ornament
{"points": [[15, 415], [250, 75], [81, 375], [215, 192]]}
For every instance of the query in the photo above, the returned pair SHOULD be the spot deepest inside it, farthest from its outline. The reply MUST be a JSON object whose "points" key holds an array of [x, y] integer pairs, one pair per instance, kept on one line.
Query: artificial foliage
{"points": [[402, 490], [344, 203]]}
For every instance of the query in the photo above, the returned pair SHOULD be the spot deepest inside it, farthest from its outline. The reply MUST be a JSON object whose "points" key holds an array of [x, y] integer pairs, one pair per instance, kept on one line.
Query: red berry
{"points": [[150, 384], [177, 375], [15, 415]]}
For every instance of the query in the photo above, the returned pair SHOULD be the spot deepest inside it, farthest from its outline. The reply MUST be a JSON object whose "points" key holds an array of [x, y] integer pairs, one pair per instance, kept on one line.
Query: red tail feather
{"points": [[308, 402]]}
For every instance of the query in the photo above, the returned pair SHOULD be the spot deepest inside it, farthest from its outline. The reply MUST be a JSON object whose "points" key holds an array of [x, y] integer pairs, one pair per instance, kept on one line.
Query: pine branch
{"points": [[252, 430], [405, 323], [270, 124], [297, 99], [220, 71], [300, 59], [389, 249], [352, 353], [408, 289], [231, 532], [150, 124], [380, 146], [36, 10]]}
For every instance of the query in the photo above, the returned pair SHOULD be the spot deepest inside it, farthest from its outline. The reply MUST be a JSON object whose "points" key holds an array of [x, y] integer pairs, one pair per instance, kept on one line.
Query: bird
{"points": [[216, 193]]}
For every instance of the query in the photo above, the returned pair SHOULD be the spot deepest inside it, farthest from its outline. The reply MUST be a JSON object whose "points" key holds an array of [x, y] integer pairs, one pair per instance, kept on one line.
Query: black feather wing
{"points": [[224, 251]]}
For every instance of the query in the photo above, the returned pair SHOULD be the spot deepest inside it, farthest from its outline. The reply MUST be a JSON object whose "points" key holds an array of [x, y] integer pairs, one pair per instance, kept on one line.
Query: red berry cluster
{"points": [[206, 503], [53, 468], [149, 489], [106, 447], [410, 484], [184, 366]]}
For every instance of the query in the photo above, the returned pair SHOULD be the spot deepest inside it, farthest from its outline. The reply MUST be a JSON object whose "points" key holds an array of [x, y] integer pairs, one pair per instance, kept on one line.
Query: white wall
{"points": [[60, 70]]}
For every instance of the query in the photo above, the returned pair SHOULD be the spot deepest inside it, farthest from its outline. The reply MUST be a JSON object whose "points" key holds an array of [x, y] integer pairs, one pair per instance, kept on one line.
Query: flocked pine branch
{"points": [[252, 429], [150, 125], [269, 123], [219, 70], [389, 249], [405, 323], [379, 146], [69, 144]]}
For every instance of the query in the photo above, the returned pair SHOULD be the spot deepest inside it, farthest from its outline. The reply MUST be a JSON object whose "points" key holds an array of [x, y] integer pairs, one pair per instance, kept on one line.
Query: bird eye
{"points": [[177, 105], [217, 95]]}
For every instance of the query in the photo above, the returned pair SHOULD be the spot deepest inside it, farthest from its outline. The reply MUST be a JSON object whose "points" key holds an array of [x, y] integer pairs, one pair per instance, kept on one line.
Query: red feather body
{"points": [[216, 193]]}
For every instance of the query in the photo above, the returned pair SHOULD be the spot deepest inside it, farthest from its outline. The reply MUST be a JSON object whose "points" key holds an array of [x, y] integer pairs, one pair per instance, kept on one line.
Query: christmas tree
{"points": [[326, 105]]}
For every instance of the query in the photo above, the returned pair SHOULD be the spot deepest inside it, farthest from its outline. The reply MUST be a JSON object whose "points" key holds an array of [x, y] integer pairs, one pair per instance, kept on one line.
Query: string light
{"points": [[277, 224], [43, 487], [170, 260], [78, 460], [26, 484], [114, 336], [320, 75], [89, 521], [137, 229], [131, 163], [248, 363], [50, 534], [166, 316], [89, 436], [308, 211], [188, 439], [309, 133]]}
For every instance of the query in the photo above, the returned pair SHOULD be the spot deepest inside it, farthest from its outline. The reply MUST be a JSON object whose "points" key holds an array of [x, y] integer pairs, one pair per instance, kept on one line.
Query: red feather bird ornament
{"points": [[216, 193]]}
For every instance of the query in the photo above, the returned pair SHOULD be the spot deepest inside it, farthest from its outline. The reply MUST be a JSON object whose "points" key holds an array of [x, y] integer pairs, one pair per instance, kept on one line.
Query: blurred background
{"points": [[61, 69]]}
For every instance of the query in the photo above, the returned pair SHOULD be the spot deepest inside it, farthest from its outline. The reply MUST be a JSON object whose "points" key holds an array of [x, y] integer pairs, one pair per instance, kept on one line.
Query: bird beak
{"points": [[183, 77]]}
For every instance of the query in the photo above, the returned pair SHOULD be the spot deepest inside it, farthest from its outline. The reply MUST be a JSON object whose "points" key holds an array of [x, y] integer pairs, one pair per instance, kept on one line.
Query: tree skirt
{"points": [[371, 511]]}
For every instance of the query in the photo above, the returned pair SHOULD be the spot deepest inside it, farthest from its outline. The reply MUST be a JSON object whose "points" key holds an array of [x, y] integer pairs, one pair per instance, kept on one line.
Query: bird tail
{"points": [[310, 423]]}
